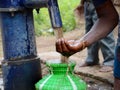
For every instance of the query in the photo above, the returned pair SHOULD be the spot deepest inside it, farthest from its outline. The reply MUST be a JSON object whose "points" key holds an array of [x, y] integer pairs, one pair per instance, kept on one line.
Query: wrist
{"points": [[82, 44]]}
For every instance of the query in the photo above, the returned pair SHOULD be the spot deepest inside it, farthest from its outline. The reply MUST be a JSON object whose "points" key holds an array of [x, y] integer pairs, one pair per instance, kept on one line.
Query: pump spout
{"points": [[52, 6], [56, 22], [54, 14]]}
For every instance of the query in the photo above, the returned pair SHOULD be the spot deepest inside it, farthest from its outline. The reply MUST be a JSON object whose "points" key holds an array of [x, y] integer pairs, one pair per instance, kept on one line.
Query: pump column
{"points": [[21, 66]]}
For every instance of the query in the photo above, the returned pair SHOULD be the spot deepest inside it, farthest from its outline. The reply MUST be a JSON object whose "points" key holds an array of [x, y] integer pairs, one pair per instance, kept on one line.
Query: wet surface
{"points": [[92, 84]]}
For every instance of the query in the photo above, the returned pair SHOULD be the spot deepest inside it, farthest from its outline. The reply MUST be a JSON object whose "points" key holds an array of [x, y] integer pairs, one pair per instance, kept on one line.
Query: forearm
{"points": [[108, 19], [98, 31]]}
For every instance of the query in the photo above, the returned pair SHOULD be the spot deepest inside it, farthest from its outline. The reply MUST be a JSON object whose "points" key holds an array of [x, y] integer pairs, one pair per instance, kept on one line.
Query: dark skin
{"points": [[108, 19]]}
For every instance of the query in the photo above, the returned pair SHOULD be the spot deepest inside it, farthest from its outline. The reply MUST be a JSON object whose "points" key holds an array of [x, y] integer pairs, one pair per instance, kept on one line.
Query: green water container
{"points": [[61, 77]]}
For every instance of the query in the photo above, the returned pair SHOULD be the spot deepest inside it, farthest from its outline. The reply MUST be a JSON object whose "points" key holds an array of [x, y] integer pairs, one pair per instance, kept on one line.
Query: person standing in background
{"points": [[108, 19], [107, 44]]}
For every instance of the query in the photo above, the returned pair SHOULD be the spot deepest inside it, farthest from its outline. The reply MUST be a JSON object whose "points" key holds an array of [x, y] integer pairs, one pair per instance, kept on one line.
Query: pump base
{"points": [[21, 74]]}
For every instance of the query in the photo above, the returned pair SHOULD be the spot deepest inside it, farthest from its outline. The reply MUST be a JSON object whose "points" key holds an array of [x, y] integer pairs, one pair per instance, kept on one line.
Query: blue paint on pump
{"points": [[9, 3], [21, 75], [54, 14], [18, 34], [34, 3], [21, 68]]}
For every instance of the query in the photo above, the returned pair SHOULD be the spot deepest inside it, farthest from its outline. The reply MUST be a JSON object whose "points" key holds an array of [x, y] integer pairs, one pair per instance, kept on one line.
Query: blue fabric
{"points": [[117, 55], [98, 2], [117, 62]]}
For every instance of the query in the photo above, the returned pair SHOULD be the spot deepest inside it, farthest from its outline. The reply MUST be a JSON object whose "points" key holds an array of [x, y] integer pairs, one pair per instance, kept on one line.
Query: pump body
{"points": [[21, 65]]}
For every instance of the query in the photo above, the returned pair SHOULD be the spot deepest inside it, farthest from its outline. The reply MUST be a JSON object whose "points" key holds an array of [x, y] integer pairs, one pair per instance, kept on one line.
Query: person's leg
{"points": [[92, 50], [92, 54], [117, 68], [107, 48]]}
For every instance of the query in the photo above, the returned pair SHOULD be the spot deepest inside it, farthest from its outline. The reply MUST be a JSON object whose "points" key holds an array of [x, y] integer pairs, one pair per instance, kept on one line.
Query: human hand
{"points": [[70, 47]]}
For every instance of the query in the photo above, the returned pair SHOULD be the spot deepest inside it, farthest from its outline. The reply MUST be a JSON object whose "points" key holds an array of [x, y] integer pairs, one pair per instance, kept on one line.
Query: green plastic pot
{"points": [[61, 77]]}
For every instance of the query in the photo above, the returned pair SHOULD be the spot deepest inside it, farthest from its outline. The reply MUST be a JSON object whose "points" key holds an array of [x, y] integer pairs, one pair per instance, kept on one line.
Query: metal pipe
{"points": [[56, 22], [54, 13]]}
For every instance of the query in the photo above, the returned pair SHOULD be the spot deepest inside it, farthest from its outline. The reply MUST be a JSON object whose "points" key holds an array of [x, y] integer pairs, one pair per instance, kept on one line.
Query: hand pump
{"points": [[61, 75], [56, 22]]}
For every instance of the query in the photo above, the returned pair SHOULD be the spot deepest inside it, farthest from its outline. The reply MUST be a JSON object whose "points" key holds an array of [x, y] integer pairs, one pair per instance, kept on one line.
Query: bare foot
{"points": [[106, 68]]}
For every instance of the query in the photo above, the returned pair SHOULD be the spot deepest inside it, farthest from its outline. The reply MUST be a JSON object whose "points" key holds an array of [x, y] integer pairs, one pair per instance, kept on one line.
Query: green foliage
{"points": [[42, 20]]}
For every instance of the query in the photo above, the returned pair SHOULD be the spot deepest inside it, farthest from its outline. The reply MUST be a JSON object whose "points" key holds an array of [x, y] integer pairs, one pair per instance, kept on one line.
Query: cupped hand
{"points": [[70, 47]]}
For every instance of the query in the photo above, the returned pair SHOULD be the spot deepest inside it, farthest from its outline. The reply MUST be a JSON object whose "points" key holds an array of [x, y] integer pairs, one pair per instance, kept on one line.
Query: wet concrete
{"points": [[94, 84]]}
